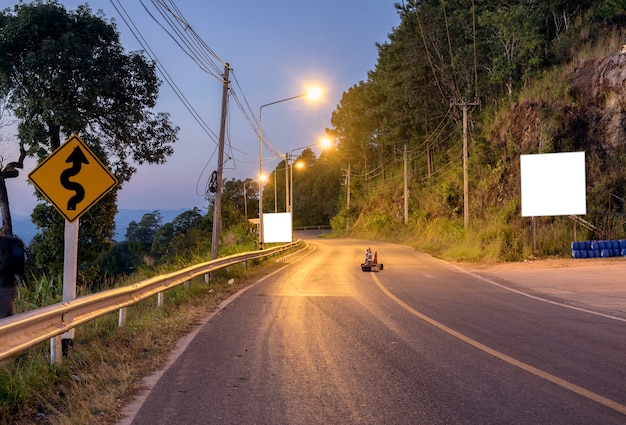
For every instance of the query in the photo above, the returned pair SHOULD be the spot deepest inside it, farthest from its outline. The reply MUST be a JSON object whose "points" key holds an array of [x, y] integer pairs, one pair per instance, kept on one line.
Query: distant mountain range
{"points": [[25, 229]]}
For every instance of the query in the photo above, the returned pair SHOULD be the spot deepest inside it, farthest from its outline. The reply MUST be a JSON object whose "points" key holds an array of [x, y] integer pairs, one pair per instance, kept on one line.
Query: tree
{"points": [[517, 41], [140, 236], [181, 236], [65, 72]]}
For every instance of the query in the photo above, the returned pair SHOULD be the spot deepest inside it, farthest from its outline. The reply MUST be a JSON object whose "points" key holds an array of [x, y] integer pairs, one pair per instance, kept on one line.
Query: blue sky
{"points": [[275, 49]]}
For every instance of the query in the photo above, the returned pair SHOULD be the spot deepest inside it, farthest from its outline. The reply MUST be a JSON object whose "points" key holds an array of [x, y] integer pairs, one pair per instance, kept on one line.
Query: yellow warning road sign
{"points": [[72, 178]]}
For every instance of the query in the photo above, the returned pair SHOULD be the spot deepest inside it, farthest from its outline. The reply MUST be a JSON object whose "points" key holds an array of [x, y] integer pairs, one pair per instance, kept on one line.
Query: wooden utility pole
{"points": [[217, 206], [287, 206], [465, 105], [348, 188], [406, 187]]}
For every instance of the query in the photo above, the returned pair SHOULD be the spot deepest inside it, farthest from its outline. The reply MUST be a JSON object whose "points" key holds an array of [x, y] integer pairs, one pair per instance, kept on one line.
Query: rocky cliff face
{"points": [[593, 119], [598, 86]]}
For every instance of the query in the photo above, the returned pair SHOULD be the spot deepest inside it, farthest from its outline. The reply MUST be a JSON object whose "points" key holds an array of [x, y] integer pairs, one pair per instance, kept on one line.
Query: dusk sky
{"points": [[276, 48]]}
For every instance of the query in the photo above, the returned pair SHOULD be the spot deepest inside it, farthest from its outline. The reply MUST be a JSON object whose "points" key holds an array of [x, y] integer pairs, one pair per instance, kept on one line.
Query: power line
{"points": [[427, 50], [192, 45], [170, 81], [445, 18]]}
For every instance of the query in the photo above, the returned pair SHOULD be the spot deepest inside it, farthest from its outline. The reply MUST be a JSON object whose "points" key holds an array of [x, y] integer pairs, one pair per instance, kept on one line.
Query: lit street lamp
{"points": [[313, 93]]}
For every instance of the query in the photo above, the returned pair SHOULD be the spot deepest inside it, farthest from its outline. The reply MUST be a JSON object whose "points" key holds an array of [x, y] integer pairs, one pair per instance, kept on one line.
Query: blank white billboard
{"points": [[553, 184], [277, 227]]}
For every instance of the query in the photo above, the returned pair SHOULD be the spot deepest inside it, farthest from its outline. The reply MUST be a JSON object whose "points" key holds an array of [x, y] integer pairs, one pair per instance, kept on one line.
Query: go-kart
{"points": [[371, 265]]}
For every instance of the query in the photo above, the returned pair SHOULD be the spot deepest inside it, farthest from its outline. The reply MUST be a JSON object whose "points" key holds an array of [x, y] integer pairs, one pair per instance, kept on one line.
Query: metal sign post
{"points": [[72, 179]]}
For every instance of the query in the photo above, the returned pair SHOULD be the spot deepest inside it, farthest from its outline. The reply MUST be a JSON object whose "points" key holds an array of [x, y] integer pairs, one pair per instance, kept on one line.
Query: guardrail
{"points": [[19, 332], [317, 227]]}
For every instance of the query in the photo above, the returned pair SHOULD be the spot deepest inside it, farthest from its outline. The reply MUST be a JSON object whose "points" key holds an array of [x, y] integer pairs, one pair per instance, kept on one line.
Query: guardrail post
{"points": [[56, 350], [122, 317], [160, 299]]}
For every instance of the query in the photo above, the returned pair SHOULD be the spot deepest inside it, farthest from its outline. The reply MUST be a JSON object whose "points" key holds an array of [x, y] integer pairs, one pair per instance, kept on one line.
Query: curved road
{"points": [[420, 342]]}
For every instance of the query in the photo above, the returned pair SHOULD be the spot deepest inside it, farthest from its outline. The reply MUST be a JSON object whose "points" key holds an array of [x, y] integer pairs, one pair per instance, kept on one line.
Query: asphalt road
{"points": [[420, 342]]}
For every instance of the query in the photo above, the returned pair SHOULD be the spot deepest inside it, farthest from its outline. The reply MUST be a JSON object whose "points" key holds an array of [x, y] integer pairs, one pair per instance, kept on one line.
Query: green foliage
{"points": [[114, 263], [39, 292], [22, 378]]}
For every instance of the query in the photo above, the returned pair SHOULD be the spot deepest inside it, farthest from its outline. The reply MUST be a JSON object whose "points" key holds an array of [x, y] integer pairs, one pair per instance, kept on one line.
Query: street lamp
{"points": [[313, 93]]}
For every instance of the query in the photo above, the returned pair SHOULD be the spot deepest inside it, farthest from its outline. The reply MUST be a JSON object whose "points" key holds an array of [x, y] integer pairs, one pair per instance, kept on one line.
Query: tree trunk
{"points": [[10, 171], [7, 223]]}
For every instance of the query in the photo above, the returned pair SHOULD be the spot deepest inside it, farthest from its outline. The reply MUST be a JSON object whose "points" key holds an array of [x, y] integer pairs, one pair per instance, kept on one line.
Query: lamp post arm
{"points": [[281, 100]]}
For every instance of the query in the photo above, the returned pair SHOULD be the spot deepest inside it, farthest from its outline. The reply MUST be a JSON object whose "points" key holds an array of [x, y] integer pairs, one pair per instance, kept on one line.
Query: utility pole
{"points": [[348, 189], [406, 187], [217, 206], [465, 105], [287, 209]]}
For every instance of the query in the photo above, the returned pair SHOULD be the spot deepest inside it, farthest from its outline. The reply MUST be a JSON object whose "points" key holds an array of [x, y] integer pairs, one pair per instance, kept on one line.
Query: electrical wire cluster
{"points": [[167, 15]]}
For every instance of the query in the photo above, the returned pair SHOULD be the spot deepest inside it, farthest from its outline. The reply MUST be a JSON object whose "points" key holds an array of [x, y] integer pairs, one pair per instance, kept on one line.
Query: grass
{"points": [[106, 363]]}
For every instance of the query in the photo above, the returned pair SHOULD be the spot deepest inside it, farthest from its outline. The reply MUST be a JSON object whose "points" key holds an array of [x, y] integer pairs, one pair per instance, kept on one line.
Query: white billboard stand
{"points": [[553, 184], [277, 228]]}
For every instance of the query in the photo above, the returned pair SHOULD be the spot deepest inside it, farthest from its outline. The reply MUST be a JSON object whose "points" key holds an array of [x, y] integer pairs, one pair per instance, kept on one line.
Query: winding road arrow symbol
{"points": [[77, 158]]}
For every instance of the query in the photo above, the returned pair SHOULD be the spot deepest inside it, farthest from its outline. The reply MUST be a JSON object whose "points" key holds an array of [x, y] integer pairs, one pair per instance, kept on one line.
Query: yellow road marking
{"points": [[524, 366]]}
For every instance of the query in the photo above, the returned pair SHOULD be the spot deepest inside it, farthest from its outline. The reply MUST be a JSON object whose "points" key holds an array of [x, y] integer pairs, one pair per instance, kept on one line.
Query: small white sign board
{"points": [[277, 227]]}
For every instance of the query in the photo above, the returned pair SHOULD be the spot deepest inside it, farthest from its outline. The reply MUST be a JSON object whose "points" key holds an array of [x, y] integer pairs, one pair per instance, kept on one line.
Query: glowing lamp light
{"points": [[325, 143], [314, 93]]}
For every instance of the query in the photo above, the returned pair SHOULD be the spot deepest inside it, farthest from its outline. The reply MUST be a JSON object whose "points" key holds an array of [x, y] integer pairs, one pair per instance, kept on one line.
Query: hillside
{"points": [[589, 115], [578, 105]]}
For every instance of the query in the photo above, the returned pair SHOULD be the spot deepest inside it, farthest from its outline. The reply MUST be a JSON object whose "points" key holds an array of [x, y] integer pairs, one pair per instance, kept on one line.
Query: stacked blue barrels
{"points": [[599, 249]]}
